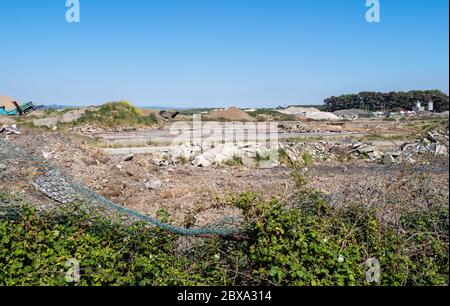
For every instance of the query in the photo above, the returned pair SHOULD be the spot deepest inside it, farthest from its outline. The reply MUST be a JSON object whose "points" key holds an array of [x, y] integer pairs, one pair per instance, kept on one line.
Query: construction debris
{"points": [[9, 130]]}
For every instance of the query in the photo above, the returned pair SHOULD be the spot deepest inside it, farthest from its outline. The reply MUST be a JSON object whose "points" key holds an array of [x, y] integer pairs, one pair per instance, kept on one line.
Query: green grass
{"points": [[375, 137], [262, 114], [116, 114], [234, 162]]}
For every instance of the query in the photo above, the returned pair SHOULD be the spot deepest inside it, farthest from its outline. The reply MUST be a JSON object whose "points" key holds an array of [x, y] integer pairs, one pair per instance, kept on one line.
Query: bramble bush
{"points": [[303, 242]]}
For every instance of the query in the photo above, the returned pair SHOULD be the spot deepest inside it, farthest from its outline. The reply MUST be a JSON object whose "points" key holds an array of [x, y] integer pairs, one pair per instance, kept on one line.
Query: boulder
{"points": [[218, 155], [340, 150], [388, 159], [441, 150], [185, 151], [154, 184], [201, 161], [365, 149], [169, 114], [377, 154], [129, 157]]}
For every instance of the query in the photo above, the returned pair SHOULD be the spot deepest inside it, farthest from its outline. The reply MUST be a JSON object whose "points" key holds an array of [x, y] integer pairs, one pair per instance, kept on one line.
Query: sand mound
{"points": [[7, 103], [232, 114], [309, 113], [322, 116], [299, 110]]}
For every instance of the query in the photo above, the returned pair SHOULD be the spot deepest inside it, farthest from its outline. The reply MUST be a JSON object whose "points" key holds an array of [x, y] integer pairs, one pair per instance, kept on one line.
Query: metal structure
{"points": [[19, 110]]}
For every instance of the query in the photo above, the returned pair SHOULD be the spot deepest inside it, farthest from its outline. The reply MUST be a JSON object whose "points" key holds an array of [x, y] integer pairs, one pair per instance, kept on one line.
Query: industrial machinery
{"points": [[19, 110]]}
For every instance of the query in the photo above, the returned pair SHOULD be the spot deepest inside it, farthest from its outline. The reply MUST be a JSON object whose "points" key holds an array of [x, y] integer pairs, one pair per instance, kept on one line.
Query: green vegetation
{"points": [[116, 114], [375, 101], [235, 161], [308, 159], [375, 137], [303, 242], [264, 114], [55, 112]]}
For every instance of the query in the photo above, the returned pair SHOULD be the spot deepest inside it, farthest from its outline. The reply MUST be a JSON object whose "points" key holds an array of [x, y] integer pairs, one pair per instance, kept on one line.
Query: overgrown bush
{"points": [[117, 114], [304, 241]]}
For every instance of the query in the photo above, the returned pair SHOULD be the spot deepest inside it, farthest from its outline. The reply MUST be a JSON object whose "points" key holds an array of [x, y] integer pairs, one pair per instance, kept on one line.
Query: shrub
{"points": [[304, 240], [235, 161], [117, 114]]}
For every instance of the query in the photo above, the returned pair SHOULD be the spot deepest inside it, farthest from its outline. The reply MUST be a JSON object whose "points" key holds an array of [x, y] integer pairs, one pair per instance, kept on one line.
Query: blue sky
{"points": [[210, 53]]}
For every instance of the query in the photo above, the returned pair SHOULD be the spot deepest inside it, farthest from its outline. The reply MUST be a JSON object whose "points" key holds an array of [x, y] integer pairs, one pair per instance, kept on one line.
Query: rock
{"points": [[441, 150], [201, 161], [10, 129], [432, 147], [169, 114], [365, 149], [154, 184], [357, 145], [340, 150], [186, 152], [431, 137], [247, 161], [388, 159], [129, 157], [2, 168], [160, 162], [378, 154], [218, 155]]}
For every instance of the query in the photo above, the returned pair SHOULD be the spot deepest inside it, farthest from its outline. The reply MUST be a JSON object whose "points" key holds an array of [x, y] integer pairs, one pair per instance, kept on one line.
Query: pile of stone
{"points": [[366, 150], [320, 151], [292, 127], [91, 129], [88, 129], [207, 155], [435, 143]]}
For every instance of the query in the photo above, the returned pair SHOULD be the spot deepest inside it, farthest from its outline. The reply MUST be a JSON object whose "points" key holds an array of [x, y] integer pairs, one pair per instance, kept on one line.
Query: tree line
{"points": [[378, 101]]}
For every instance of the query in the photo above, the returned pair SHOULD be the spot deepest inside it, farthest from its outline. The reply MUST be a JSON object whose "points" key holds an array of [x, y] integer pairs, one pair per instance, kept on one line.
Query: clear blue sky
{"points": [[219, 52]]}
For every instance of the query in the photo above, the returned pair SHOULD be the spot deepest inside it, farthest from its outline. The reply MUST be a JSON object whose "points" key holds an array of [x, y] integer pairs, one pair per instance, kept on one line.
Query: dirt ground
{"points": [[185, 191]]}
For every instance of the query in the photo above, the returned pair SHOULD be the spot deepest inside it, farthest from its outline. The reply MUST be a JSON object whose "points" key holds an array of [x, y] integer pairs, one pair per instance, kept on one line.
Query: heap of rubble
{"points": [[91, 129], [208, 155], [436, 143]]}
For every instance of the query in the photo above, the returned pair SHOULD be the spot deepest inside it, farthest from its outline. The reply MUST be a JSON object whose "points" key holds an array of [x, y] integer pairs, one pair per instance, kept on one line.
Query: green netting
{"points": [[227, 227]]}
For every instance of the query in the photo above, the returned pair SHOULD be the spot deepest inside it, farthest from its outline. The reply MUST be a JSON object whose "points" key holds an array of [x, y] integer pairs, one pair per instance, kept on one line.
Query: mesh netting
{"points": [[63, 189]]}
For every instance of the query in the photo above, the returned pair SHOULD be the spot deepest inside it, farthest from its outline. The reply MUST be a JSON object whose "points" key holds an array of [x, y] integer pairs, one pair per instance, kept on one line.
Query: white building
{"points": [[418, 108], [430, 106]]}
